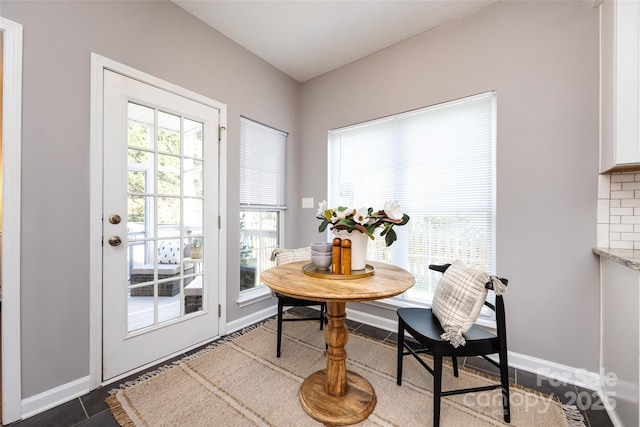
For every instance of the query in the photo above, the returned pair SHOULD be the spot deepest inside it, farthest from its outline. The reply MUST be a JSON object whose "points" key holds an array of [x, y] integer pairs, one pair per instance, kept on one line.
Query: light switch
{"points": [[307, 202]]}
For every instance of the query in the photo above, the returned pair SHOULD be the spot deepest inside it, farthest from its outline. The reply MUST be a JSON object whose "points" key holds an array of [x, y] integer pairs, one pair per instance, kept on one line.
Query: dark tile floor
{"points": [[90, 409]]}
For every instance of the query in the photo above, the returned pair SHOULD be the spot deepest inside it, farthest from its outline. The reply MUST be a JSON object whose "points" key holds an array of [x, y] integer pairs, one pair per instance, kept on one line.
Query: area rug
{"points": [[238, 381]]}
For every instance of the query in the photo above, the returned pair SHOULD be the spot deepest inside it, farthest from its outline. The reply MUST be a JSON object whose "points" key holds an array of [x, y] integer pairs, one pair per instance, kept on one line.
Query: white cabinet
{"points": [[620, 84]]}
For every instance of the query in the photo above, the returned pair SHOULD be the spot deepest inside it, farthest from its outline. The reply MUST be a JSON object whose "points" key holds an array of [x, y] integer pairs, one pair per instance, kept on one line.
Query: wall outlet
{"points": [[307, 203]]}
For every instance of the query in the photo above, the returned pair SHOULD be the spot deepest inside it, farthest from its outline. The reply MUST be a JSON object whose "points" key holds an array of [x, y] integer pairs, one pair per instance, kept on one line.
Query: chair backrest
{"points": [[498, 308], [286, 256]]}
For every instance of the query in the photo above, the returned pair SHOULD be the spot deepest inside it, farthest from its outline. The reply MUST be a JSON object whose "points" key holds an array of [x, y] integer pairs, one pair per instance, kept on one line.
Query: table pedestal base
{"points": [[353, 407]]}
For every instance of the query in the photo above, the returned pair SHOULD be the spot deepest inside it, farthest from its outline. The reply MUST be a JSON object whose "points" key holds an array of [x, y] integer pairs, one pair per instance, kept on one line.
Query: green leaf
{"points": [[347, 223], [323, 226], [390, 237]]}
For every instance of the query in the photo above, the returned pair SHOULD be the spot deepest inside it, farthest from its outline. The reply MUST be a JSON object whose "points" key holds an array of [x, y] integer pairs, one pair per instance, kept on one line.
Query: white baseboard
{"points": [[56, 396], [256, 317], [64, 393], [390, 325], [555, 371]]}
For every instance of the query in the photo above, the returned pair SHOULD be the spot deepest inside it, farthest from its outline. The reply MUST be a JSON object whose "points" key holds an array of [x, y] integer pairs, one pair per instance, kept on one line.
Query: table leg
{"points": [[335, 396], [336, 335]]}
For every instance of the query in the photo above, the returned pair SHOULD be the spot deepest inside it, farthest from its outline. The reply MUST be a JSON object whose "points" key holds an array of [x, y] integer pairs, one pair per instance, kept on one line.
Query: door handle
{"points": [[115, 240]]}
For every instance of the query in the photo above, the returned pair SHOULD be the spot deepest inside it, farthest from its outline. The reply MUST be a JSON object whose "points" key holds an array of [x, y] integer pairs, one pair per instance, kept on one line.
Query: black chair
{"points": [[285, 301], [425, 328]]}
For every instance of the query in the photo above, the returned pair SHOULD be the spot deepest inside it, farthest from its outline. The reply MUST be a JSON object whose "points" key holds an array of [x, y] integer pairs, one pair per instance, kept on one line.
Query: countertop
{"points": [[627, 257]]}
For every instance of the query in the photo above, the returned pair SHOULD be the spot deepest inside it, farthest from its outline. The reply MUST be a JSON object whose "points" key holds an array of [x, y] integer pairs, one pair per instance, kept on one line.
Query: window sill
{"points": [[254, 295], [395, 303]]}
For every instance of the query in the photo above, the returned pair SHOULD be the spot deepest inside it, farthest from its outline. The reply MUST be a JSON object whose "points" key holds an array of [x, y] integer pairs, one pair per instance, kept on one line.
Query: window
{"points": [[439, 164], [262, 198]]}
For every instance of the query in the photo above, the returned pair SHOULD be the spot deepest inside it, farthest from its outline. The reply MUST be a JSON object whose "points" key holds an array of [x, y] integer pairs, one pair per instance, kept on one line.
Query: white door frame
{"points": [[11, 195], [98, 64]]}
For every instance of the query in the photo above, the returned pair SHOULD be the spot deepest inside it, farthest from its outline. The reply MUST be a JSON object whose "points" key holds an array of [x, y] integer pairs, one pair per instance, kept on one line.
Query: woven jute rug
{"points": [[238, 381]]}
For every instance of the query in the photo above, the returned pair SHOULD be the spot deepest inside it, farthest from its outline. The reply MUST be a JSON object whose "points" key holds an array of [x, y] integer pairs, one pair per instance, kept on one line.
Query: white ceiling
{"points": [[305, 39]]}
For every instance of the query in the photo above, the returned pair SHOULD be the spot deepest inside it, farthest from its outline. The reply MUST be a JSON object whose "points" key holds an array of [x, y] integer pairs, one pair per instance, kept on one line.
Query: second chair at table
{"points": [[423, 326], [285, 256]]}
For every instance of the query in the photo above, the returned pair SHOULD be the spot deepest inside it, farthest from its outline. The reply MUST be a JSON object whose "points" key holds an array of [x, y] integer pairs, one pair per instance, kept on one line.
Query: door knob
{"points": [[115, 240], [115, 219]]}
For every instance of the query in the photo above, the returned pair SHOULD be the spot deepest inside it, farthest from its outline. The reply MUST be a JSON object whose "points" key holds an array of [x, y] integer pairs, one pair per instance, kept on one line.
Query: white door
{"points": [[160, 224]]}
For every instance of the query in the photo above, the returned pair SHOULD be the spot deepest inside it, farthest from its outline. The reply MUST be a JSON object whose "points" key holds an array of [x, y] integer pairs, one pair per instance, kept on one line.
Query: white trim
{"points": [[253, 295], [11, 217], [95, 226], [222, 213], [390, 325], [249, 320], [98, 65], [556, 371], [56, 396]]}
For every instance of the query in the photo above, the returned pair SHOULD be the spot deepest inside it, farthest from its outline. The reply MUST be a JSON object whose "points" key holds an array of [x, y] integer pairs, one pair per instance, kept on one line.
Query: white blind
{"points": [[439, 164], [262, 165]]}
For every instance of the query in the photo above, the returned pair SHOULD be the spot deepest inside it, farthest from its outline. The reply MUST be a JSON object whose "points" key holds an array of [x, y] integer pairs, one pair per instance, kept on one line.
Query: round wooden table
{"points": [[335, 396]]}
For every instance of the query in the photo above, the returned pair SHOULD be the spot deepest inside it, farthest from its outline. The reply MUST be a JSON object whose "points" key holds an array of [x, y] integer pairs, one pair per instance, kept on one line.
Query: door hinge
{"points": [[219, 222], [220, 129], [219, 310]]}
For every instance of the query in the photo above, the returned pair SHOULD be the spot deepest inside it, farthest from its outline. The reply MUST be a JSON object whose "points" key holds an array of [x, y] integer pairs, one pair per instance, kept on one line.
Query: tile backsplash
{"points": [[619, 210]]}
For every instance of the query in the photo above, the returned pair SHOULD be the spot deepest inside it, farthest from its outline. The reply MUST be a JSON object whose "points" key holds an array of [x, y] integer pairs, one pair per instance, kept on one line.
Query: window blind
{"points": [[438, 163], [262, 165]]}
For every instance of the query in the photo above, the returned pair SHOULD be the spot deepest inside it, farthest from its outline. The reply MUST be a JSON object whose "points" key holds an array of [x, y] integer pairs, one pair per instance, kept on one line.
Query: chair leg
{"points": [[279, 333], [504, 380], [400, 351], [322, 315], [437, 388], [455, 366]]}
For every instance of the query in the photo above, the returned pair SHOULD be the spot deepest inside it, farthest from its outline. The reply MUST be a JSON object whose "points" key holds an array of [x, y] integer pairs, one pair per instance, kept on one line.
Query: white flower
{"points": [[392, 209], [322, 206], [362, 216], [343, 213]]}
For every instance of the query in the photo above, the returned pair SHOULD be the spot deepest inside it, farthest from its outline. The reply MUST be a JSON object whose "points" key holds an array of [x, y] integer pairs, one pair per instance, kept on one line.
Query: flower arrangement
{"points": [[365, 220]]}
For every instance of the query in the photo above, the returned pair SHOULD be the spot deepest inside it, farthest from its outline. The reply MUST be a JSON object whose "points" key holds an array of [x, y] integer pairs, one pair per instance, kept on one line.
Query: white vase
{"points": [[359, 242]]}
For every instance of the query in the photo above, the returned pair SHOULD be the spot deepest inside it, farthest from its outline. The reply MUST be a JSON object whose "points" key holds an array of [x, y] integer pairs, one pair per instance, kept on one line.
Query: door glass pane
{"points": [[169, 174], [193, 292], [136, 181], [168, 216], [140, 308], [168, 307], [139, 215], [193, 215], [193, 139], [140, 126], [141, 161], [193, 177], [168, 133]]}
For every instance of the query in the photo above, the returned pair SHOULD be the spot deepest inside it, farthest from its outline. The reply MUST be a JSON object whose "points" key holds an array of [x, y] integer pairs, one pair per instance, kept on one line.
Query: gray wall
{"points": [[156, 37], [542, 59]]}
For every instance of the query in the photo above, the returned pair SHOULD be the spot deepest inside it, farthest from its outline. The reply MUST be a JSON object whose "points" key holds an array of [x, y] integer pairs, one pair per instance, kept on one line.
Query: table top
{"points": [[289, 279]]}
